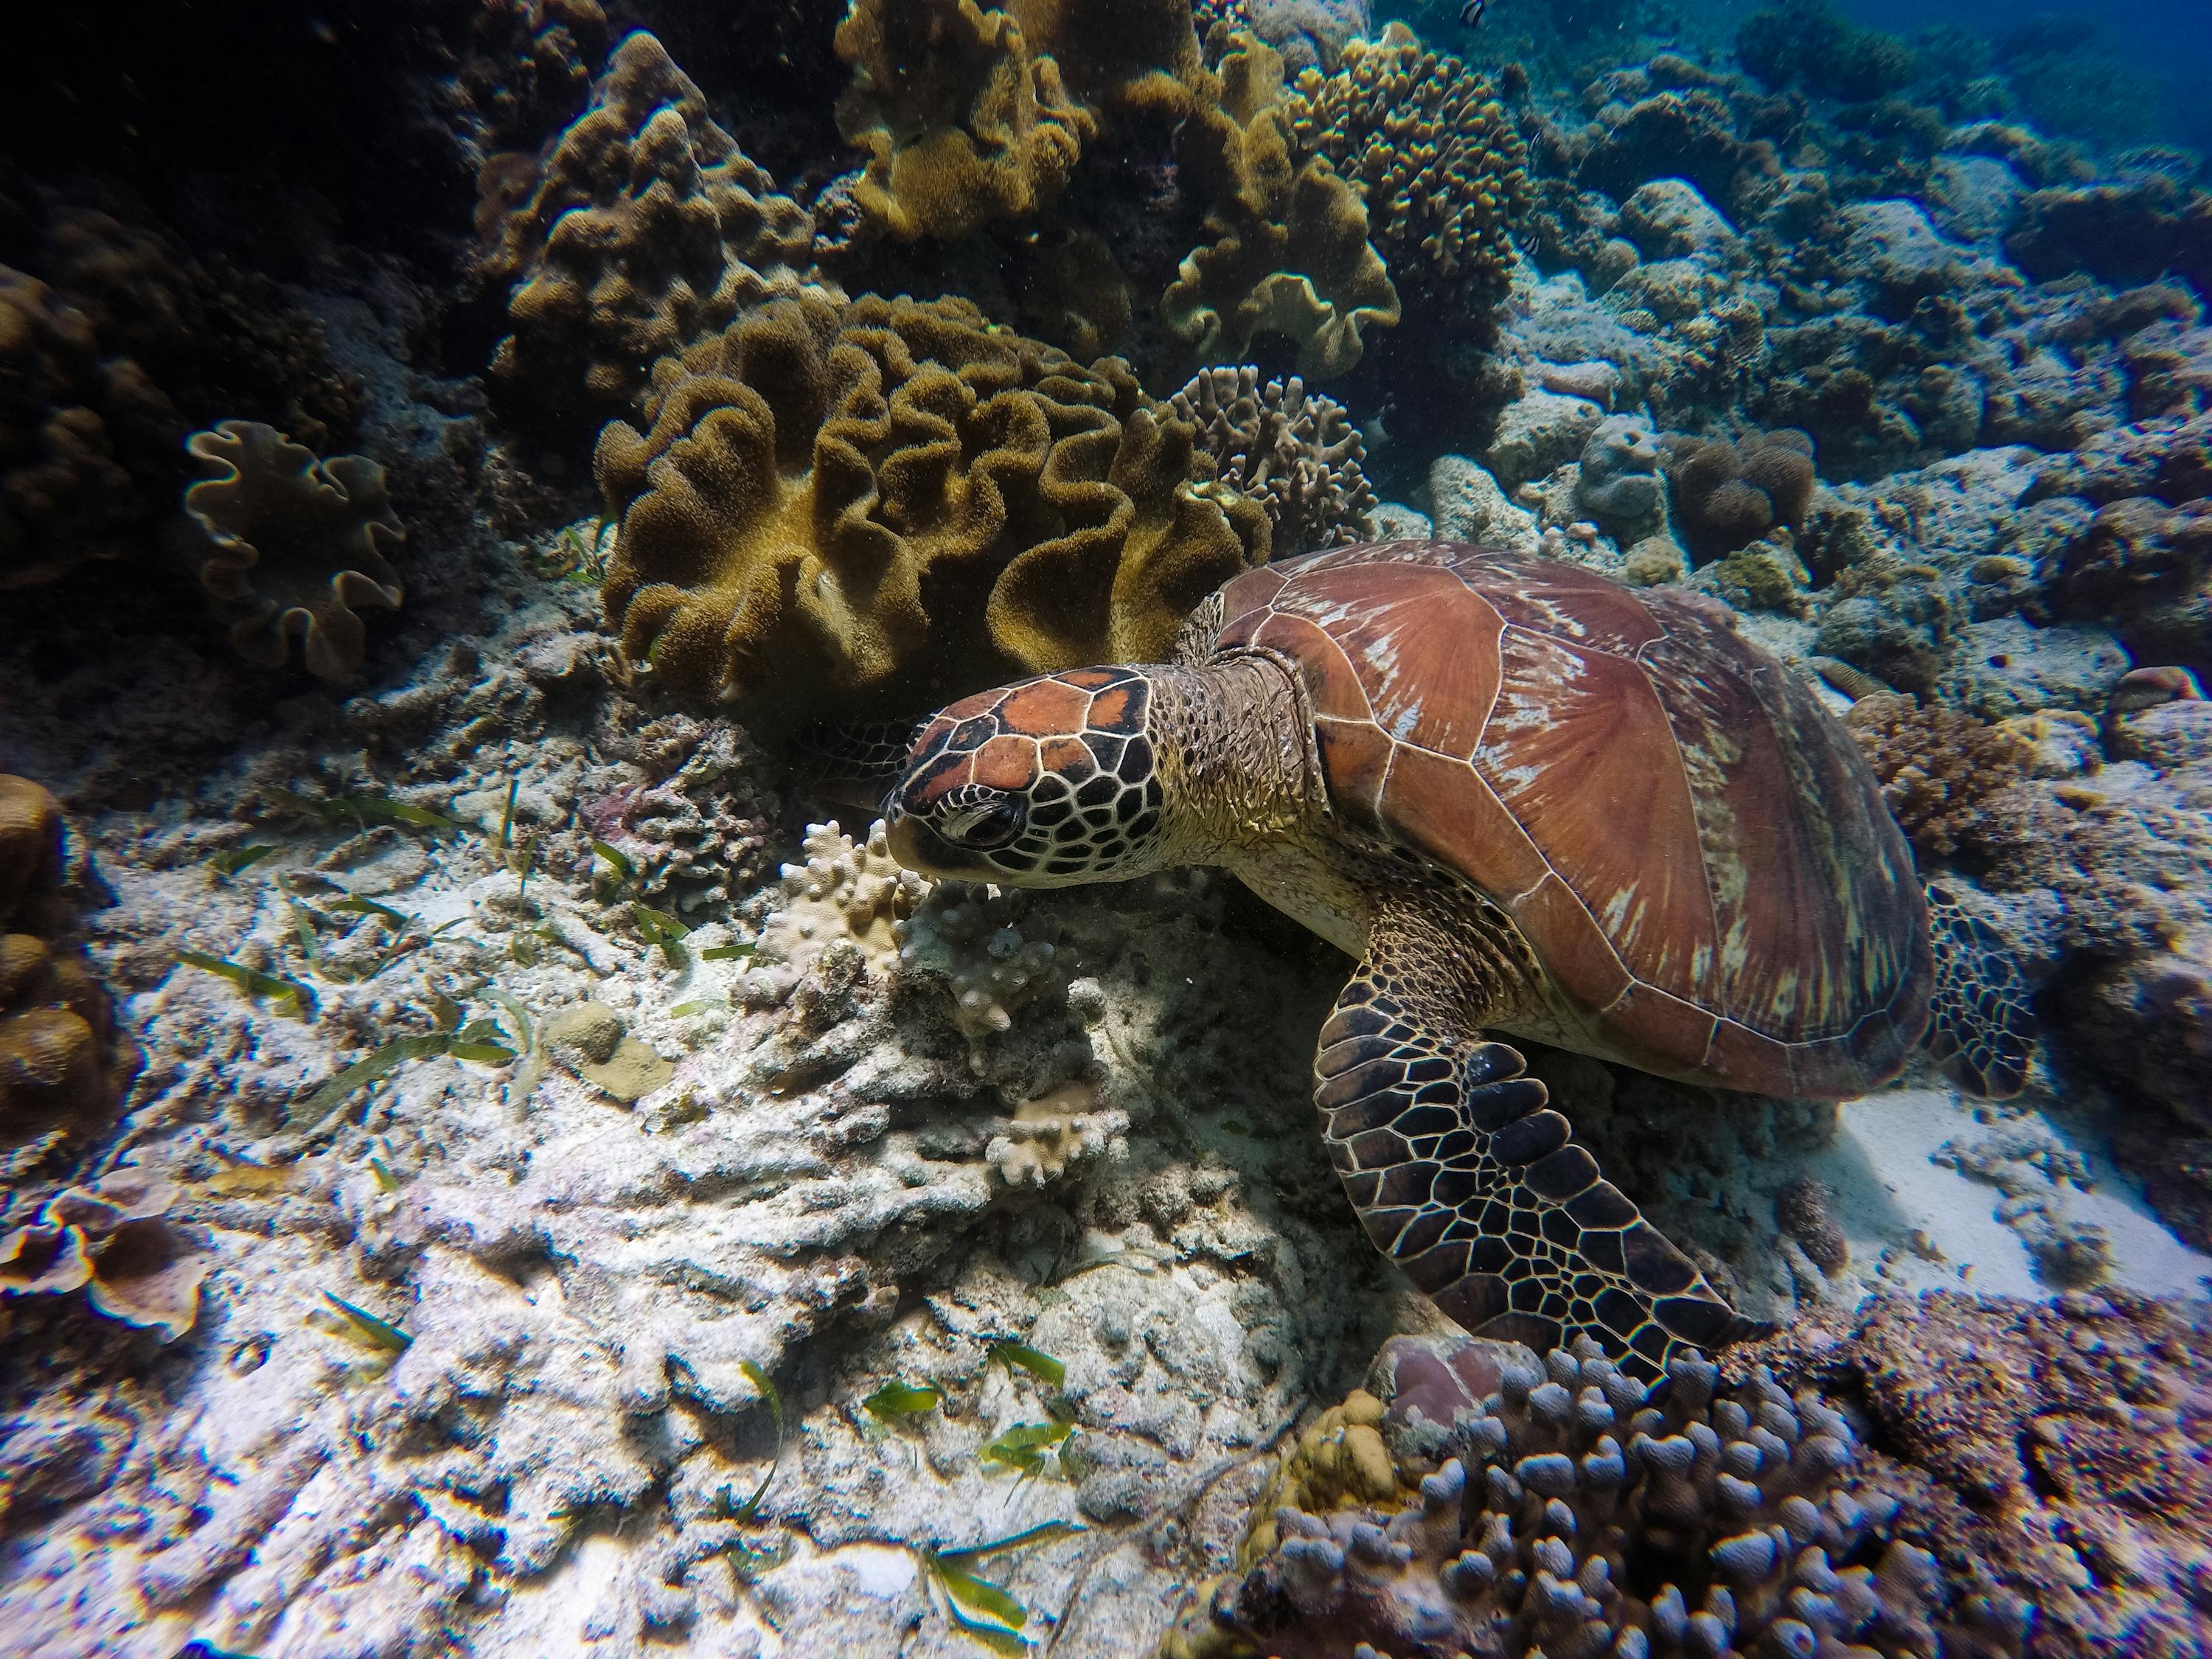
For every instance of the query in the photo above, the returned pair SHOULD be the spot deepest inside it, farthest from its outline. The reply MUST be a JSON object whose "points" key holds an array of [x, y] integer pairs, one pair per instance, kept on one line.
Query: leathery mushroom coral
{"points": [[643, 227], [289, 545], [1288, 251], [872, 507], [1476, 1500]]}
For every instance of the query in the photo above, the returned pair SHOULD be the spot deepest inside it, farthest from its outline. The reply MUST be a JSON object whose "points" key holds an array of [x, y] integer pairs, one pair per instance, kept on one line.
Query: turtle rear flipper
{"points": [[1463, 1175], [1980, 1031]]}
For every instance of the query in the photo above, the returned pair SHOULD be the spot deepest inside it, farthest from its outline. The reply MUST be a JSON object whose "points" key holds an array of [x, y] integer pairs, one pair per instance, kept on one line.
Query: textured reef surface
{"points": [[497, 1161]]}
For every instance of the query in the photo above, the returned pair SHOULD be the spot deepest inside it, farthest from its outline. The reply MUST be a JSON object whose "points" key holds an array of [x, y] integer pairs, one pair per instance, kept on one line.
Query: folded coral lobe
{"points": [[868, 508]]}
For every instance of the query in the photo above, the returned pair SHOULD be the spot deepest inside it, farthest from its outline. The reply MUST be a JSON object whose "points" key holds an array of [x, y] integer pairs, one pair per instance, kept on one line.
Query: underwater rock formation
{"points": [[1287, 251], [642, 229], [289, 546], [62, 1060], [1474, 1499], [1294, 451], [1440, 165], [1620, 480], [878, 507]]}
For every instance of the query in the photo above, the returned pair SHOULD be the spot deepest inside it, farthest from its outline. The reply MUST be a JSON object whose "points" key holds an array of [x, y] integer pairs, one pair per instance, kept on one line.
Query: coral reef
{"points": [[62, 1062], [1294, 451], [642, 229], [2057, 1447], [112, 1240], [1942, 773], [1553, 1511], [1728, 495], [1286, 251], [290, 546], [1442, 165], [875, 508]]}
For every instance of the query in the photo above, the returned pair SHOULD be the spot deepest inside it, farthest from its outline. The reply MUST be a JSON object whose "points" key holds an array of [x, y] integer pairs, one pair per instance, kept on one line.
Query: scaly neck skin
{"points": [[1236, 757]]}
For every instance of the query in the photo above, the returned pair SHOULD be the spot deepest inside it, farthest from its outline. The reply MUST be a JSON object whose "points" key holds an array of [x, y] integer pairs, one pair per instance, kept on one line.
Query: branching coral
{"points": [[1443, 167], [1062, 1129], [110, 1241], [1287, 252], [61, 1061], [1728, 496], [1553, 1511], [643, 228], [873, 507], [291, 546], [848, 893], [1940, 771], [1294, 451]]}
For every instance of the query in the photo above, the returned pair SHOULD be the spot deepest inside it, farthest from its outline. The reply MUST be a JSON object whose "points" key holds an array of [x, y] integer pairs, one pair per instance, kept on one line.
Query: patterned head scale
{"points": [[1048, 782]]}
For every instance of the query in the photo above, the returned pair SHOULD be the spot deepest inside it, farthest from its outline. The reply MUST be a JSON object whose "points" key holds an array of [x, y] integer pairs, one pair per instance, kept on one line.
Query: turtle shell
{"points": [[1690, 843]]}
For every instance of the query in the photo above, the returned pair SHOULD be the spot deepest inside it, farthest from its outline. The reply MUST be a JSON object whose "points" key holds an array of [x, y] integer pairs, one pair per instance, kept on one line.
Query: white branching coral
{"points": [[1058, 1130], [847, 892]]}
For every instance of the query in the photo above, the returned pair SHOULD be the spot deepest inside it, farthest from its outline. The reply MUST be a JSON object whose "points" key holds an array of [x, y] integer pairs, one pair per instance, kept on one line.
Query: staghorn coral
{"points": [[110, 1241], [1288, 251], [1475, 1501], [1441, 164], [874, 508], [290, 545], [62, 1063], [2058, 1447], [1295, 453], [1728, 496], [1940, 771], [642, 229]]}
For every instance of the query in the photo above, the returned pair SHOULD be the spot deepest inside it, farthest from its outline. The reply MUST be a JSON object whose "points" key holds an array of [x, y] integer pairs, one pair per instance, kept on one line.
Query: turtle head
{"points": [[1049, 782]]}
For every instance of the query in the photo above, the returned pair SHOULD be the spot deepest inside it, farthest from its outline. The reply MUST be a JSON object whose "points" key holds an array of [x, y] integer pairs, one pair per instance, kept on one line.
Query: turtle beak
{"points": [[920, 848], [905, 835]]}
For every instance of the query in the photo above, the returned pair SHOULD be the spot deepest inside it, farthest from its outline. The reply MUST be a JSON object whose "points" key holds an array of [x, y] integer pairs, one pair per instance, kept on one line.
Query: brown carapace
{"points": [[1528, 799]]}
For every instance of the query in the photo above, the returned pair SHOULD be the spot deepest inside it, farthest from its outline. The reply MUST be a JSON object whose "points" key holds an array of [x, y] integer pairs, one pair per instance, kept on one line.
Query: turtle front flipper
{"points": [[1979, 1029], [1463, 1175]]}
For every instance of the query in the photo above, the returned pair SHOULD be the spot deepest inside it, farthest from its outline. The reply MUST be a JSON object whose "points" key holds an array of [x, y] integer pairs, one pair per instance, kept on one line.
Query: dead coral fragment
{"points": [[875, 508], [1940, 771], [1443, 167], [111, 1240], [289, 545], [1294, 451], [1728, 496], [1288, 253], [962, 121]]}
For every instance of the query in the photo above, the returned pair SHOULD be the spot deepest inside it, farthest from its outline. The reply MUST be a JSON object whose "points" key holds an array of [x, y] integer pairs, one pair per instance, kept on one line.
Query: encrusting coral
{"points": [[61, 1061], [112, 1240], [1940, 771], [642, 229], [289, 545], [1440, 162], [870, 509], [1288, 251], [1476, 1501], [1728, 496], [1294, 451]]}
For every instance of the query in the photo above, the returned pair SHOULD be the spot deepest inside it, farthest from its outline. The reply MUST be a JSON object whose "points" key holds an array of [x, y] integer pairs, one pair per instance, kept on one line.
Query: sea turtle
{"points": [[1527, 799]]}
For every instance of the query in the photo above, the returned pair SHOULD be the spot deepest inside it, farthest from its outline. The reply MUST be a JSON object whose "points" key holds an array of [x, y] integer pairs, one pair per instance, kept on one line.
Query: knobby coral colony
{"points": [[1881, 350]]}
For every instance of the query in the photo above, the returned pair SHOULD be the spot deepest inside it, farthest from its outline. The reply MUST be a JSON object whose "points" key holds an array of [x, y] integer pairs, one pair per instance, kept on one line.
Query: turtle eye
{"points": [[985, 824]]}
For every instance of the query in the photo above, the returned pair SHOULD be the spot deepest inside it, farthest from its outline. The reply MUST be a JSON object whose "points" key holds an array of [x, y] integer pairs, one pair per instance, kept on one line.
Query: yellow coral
{"points": [[1287, 252], [644, 228], [873, 507], [1443, 168], [291, 546]]}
